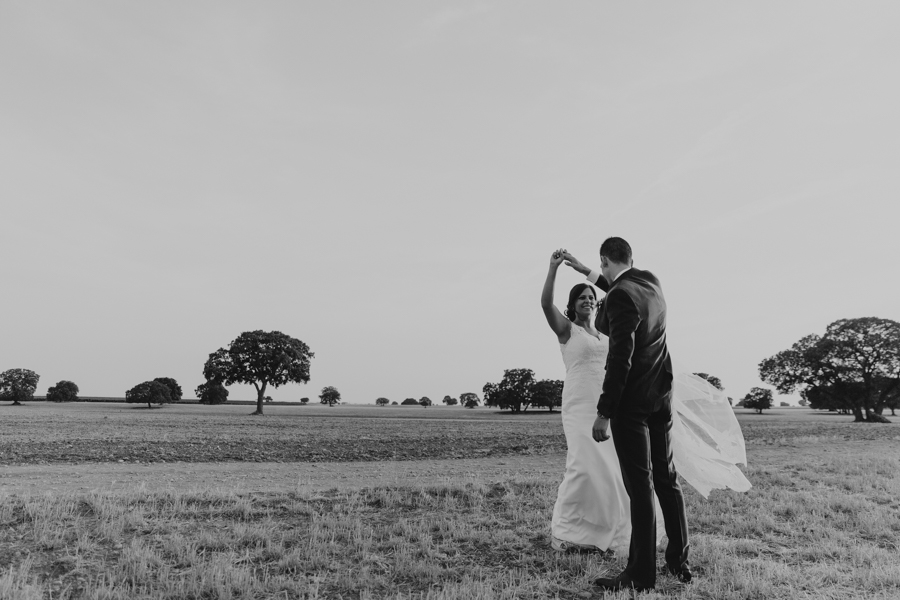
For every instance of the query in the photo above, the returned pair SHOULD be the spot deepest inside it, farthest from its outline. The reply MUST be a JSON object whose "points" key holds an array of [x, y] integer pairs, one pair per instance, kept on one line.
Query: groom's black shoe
{"points": [[620, 582], [683, 574]]}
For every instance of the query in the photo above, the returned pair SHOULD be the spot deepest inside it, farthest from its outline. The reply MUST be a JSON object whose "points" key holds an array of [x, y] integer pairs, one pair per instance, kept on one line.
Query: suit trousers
{"points": [[643, 443]]}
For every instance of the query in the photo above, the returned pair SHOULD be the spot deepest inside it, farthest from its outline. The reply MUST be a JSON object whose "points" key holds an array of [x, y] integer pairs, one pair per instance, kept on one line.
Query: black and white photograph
{"points": [[449, 300]]}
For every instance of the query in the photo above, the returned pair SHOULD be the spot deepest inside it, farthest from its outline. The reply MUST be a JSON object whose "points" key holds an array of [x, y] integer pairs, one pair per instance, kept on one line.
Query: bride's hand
{"points": [[557, 257]]}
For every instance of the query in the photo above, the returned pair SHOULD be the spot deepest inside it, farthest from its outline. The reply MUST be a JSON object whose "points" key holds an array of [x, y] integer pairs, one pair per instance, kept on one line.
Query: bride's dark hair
{"points": [[573, 296]]}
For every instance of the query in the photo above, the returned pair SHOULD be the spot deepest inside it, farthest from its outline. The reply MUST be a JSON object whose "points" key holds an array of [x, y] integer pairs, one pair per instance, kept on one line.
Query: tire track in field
{"points": [[243, 477]]}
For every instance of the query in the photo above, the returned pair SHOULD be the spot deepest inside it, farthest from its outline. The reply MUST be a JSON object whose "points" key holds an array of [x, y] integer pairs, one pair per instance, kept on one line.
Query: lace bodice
{"points": [[584, 352]]}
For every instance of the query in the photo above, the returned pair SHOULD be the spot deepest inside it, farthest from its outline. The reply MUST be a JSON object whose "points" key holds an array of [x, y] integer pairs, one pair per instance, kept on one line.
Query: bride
{"points": [[592, 507]]}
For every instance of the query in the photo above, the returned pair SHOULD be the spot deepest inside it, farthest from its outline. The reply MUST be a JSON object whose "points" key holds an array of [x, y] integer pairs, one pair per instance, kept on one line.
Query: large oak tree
{"points": [[855, 366], [330, 395], [149, 392], [469, 399], [514, 391], [759, 399], [519, 390], [547, 392], [18, 385], [260, 359]]}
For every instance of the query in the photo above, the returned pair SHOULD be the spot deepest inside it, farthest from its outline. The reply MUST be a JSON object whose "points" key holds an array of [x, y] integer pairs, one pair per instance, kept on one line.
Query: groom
{"points": [[636, 403]]}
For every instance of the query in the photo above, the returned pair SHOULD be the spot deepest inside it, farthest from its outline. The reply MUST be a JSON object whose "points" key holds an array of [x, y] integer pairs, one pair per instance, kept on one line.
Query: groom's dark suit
{"points": [[637, 396]]}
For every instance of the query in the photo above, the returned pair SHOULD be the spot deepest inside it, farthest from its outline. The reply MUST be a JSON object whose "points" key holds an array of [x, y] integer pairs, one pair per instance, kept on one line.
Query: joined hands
{"points": [[563, 255]]}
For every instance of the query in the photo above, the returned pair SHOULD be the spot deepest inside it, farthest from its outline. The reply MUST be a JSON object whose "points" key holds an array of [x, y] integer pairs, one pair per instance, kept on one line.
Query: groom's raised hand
{"points": [[573, 262]]}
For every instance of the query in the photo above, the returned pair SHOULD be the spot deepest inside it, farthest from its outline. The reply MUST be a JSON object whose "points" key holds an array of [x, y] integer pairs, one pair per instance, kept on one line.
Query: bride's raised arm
{"points": [[558, 323]]}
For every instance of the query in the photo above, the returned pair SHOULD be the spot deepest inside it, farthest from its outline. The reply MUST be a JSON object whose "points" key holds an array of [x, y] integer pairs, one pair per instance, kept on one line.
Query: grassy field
{"points": [[115, 432], [822, 521], [41, 433]]}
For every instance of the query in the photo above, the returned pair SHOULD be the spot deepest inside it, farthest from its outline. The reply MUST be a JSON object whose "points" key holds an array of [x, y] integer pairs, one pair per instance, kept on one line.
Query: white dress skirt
{"points": [[592, 507]]}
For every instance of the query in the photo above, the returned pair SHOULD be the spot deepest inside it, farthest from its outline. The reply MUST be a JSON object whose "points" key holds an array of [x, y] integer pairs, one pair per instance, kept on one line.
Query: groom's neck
{"points": [[614, 270]]}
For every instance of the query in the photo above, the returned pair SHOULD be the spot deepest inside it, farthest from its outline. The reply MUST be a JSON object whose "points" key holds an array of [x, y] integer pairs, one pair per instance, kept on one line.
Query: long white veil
{"points": [[707, 441]]}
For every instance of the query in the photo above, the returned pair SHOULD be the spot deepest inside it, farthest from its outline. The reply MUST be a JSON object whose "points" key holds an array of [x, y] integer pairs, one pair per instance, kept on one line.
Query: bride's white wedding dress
{"points": [[592, 506]]}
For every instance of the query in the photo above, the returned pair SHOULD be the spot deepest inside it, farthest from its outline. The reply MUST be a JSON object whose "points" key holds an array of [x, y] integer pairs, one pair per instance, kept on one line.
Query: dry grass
{"points": [[823, 521]]}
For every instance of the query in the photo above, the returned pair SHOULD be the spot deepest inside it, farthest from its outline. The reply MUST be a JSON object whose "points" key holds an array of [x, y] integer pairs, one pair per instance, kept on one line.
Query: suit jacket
{"points": [[638, 367]]}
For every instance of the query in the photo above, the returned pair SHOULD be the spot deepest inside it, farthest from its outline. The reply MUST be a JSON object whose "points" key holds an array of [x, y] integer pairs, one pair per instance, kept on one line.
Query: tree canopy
{"points": [[260, 359], [18, 385], [854, 366], [548, 393], [174, 388], [518, 390], [892, 401], [330, 395], [410, 402], [450, 401], [712, 379], [382, 402], [425, 401], [212, 392], [149, 392], [759, 399], [469, 400], [514, 391], [63, 391]]}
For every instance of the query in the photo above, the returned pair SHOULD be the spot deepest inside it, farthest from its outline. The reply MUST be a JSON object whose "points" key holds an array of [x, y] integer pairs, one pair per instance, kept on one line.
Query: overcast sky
{"points": [[385, 181]]}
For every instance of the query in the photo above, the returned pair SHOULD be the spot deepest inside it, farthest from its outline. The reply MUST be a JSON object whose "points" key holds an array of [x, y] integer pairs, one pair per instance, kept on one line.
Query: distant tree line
{"points": [[468, 400], [258, 358], [854, 368]]}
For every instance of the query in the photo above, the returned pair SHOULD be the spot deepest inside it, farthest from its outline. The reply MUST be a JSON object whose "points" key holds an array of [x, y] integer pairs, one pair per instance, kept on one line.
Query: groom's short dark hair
{"points": [[617, 250]]}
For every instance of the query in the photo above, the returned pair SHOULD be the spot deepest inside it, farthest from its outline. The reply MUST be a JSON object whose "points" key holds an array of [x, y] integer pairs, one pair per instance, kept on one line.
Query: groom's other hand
{"points": [[600, 431]]}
